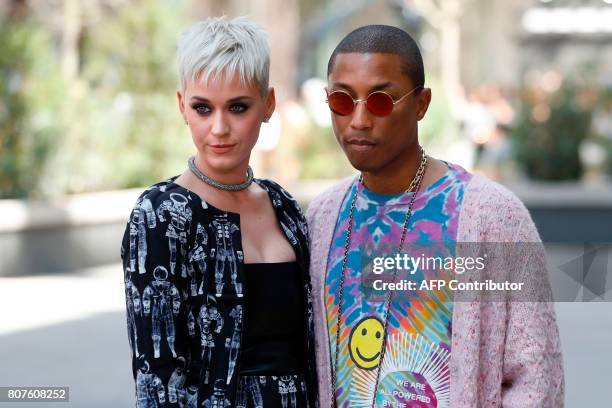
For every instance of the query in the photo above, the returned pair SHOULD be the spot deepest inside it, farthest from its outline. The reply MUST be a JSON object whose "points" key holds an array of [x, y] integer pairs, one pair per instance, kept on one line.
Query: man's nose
{"points": [[361, 117]]}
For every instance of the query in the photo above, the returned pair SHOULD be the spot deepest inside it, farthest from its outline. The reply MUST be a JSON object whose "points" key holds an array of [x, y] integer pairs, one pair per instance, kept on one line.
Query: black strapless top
{"points": [[274, 330]]}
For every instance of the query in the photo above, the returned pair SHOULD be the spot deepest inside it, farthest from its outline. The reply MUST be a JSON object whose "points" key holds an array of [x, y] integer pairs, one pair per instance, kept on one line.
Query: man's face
{"points": [[373, 143]]}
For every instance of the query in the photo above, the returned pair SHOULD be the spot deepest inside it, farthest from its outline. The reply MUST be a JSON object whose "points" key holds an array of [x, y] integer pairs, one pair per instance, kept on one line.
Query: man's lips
{"points": [[360, 144]]}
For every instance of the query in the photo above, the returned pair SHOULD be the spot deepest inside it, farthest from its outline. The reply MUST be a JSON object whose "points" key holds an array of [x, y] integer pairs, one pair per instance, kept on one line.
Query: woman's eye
{"points": [[238, 108], [202, 109]]}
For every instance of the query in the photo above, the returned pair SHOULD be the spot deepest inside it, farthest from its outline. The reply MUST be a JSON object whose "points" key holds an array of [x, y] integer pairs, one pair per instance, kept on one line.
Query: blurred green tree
{"points": [[126, 129], [89, 104], [30, 97], [549, 130]]}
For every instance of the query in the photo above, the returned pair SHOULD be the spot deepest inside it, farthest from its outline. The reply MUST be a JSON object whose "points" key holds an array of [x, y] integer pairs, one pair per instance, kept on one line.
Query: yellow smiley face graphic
{"points": [[365, 343]]}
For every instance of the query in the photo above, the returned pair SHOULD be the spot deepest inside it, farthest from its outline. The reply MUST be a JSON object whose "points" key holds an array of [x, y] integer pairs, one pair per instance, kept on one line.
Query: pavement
{"points": [[69, 330]]}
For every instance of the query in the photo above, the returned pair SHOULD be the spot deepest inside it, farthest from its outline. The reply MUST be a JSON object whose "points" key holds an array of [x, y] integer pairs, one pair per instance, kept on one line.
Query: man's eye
{"points": [[202, 109], [238, 108]]}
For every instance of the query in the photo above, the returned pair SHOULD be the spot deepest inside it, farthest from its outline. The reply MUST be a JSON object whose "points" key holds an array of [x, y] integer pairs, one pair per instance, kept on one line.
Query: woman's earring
{"points": [[186, 122], [266, 120]]}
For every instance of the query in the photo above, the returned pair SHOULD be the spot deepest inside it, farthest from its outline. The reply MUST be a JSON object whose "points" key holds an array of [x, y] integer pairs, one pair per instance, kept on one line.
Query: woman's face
{"points": [[224, 118]]}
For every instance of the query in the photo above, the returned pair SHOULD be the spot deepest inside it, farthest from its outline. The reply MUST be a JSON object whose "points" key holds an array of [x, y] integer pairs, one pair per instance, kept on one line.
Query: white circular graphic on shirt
{"points": [[414, 373]]}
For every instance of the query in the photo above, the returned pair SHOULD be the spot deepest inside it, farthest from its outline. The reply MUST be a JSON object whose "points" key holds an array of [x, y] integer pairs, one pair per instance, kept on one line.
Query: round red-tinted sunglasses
{"points": [[378, 103]]}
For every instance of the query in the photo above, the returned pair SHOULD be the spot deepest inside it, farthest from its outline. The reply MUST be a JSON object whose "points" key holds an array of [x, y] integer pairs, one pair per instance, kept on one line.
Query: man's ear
{"points": [[423, 101]]}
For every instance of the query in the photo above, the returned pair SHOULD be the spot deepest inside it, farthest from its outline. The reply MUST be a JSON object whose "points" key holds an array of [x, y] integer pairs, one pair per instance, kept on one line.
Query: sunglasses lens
{"points": [[340, 103], [379, 104]]}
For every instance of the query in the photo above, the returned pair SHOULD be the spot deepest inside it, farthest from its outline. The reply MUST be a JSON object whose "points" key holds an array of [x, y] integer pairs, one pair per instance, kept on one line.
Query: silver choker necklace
{"points": [[216, 184]]}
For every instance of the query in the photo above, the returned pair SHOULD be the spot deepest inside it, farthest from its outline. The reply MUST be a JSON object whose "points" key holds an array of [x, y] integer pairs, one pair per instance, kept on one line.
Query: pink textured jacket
{"points": [[504, 354]]}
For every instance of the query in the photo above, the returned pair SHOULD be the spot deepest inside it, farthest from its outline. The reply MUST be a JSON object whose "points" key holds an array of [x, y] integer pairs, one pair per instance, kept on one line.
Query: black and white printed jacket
{"points": [[184, 277]]}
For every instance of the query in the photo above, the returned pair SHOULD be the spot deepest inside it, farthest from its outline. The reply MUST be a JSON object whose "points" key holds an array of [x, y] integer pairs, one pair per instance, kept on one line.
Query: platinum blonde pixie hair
{"points": [[218, 46]]}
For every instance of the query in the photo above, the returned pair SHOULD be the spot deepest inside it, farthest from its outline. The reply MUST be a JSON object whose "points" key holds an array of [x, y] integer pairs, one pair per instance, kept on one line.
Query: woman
{"points": [[216, 262]]}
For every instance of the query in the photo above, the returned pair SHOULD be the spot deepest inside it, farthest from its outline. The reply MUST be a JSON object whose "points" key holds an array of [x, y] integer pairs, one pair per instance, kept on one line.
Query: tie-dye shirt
{"points": [[414, 372]]}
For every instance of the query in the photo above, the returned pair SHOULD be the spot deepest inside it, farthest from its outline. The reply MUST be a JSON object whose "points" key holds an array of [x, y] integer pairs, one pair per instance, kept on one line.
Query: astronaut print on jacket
{"points": [[143, 217], [287, 391], [161, 300], [150, 390], [184, 287], [175, 208], [209, 315], [226, 257]]}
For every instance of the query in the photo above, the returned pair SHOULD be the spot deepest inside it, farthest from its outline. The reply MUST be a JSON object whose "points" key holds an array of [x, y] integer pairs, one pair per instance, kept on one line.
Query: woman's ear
{"points": [[181, 104], [270, 104]]}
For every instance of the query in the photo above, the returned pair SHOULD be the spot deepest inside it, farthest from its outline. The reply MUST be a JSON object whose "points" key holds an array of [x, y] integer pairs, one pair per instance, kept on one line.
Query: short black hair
{"points": [[387, 40]]}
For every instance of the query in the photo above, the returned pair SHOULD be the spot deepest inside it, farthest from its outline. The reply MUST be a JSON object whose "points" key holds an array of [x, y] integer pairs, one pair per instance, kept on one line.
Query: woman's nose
{"points": [[220, 127]]}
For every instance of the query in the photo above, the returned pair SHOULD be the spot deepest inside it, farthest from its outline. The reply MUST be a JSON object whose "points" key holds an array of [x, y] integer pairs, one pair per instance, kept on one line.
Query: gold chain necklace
{"points": [[415, 186]]}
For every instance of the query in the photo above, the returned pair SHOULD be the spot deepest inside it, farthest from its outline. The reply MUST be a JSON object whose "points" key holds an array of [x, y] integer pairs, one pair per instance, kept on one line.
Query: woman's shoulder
{"points": [[156, 189], [168, 194], [280, 197], [268, 184], [168, 208], [276, 189]]}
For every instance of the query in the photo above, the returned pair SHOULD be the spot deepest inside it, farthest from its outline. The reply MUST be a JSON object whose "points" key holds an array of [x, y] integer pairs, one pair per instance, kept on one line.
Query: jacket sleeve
{"points": [[310, 218], [152, 254], [532, 363], [311, 215]]}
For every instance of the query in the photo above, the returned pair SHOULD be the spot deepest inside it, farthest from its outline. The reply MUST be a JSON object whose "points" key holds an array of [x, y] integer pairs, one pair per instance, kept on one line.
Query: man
{"points": [[426, 348]]}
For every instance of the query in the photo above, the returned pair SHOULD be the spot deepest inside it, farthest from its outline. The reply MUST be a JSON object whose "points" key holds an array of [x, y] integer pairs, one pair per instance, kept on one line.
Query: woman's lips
{"points": [[221, 148]]}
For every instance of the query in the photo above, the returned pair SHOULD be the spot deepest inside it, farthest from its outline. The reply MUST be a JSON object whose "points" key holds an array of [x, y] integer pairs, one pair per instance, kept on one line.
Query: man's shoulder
{"points": [[496, 211], [491, 194]]}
